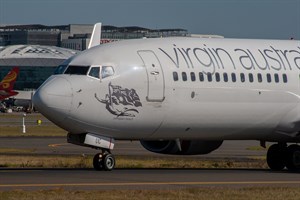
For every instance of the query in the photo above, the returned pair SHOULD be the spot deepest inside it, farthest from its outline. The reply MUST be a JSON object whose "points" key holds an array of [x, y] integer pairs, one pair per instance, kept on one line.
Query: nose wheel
{"points": [[104, 161]]}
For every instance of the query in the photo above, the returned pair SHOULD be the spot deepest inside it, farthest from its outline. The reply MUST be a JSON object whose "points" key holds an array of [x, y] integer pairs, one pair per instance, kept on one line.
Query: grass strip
{"points": [[70, 161], [39, 131], [250, 193], [11, 126]]}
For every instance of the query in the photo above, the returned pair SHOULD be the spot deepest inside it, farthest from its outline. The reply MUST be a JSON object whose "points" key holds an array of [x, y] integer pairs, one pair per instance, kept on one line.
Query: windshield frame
{"points": [[89, 71], [102, 76]]}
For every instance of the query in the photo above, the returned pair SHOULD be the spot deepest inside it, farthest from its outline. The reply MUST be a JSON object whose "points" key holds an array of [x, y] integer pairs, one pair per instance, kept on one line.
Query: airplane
{"points": [[7, 84], [179, 96]]}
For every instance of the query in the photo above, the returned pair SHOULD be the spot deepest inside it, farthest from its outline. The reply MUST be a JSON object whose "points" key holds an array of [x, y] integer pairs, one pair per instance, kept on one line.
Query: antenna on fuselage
{"points": [[96, 36]]}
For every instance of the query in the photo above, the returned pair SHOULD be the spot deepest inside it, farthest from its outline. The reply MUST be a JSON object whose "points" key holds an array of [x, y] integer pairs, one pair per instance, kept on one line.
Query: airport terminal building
{"points": [[76, 36], [36, 63]]}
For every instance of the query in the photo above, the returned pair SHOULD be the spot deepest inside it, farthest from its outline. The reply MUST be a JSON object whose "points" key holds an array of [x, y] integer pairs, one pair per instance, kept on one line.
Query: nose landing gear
{"points": [[281, 155], [101, 161]]}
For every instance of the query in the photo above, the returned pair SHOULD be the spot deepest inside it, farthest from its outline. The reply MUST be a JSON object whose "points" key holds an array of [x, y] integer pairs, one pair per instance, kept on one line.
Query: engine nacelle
{"points": [[188, 147]]}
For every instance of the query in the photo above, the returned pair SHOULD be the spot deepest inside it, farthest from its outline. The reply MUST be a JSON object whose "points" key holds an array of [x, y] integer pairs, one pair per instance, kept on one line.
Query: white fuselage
{"points": [[180, 88]]}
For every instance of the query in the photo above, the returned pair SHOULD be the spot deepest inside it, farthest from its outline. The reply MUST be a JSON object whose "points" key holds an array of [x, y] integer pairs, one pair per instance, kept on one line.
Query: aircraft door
{"points": [[156, 84]]}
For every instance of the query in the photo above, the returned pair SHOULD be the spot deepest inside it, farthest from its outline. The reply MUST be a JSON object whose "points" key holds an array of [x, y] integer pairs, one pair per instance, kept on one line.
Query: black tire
{"points": [[109, 162], [98, 162], [276, 157], [293, 152]]}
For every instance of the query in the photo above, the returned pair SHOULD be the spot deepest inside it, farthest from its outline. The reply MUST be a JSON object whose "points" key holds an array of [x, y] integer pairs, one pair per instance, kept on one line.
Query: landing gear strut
{"points": [[101, 161], [281, 155], [104, 161]]}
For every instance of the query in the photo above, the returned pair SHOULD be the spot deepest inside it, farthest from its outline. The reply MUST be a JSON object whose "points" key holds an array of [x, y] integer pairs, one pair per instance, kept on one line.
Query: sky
{"points": [[265, 19]]}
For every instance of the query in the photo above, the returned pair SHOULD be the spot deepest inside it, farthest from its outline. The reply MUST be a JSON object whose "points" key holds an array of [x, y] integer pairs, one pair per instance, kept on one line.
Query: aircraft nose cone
{"points": [[54, 99]]}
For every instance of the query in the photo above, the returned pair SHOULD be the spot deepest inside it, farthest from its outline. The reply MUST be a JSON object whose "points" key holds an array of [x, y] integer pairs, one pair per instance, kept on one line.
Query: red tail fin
{"points": [[9, 80]]}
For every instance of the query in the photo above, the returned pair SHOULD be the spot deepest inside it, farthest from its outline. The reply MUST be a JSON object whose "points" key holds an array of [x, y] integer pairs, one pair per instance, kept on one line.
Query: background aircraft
{"points": [[7, 84]]}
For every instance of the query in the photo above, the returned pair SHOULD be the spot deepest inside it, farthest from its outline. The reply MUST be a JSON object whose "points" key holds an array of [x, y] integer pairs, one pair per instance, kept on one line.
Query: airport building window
{"points": [[30, 77], [175, 76], [225, 77], [284, 78], [233, 77], [209, 77], [184, 76], [193, 77], [201, 76], [251, 78], [259, 78], [269, 79], [276, 78], [107, 71], [217, 77]]}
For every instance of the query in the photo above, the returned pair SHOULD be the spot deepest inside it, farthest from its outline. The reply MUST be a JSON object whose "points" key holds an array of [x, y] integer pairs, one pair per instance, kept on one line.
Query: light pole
{"points": [[24, 127]]}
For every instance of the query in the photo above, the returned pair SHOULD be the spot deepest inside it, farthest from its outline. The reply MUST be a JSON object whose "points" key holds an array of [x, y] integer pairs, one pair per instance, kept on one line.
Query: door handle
{"points": [[154, 73]]}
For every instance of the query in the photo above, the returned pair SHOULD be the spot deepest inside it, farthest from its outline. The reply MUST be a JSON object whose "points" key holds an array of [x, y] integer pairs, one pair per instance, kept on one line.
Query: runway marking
{"points": [[150, 184], [57, 145]]}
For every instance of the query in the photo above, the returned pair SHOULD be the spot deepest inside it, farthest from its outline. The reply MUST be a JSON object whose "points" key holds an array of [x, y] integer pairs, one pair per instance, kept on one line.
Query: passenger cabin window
{"points": [[259, 78], [242, 77], [77, 70], [95, 72], [107, 71], [276, 78], [284, 78], [201, 76], [233, 77], [184, 77], [251, 79], [193, 77], [175, 76], [269, 79], [209, 77], [217, 77], [225, 76]]}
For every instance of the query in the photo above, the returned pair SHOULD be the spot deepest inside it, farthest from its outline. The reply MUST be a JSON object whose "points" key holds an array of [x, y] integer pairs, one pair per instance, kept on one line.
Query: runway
{"points": [[83, 179]]}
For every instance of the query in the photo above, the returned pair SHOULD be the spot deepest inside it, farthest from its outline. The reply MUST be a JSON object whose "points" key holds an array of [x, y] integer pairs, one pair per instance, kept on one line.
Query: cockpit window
{"points": [[107, 71], [60, 69], [94, 72], [77, 70]]}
